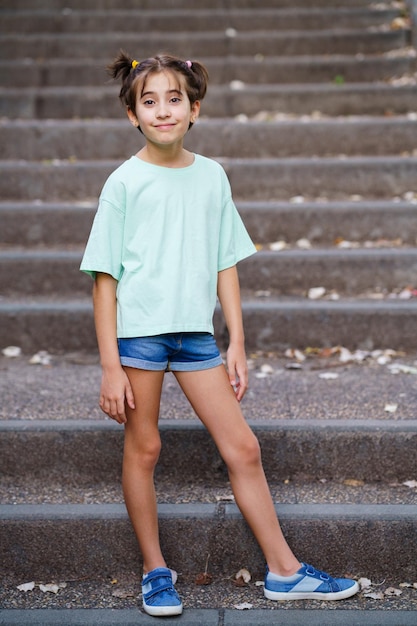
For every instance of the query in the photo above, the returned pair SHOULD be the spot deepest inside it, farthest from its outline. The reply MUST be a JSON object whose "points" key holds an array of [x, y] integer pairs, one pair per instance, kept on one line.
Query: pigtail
{"points": [[121, 68], [201, 78]]}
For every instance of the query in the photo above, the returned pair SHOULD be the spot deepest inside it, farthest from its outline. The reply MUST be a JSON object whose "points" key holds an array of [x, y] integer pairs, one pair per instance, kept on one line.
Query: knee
{"points": [[143, 453], [247, 452]]}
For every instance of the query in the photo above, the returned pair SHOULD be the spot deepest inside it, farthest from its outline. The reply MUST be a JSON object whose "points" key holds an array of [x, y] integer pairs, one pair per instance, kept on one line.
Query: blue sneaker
{"points": [[158, 592], [308, 584]]}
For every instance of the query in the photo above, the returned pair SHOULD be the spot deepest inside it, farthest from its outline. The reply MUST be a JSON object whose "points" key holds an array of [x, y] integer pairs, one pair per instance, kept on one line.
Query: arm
{"points": [[228, 291], [115, 386]]}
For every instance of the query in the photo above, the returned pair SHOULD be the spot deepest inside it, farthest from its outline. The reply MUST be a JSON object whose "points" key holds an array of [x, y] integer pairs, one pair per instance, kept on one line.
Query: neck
{"points": [[166, 156]]}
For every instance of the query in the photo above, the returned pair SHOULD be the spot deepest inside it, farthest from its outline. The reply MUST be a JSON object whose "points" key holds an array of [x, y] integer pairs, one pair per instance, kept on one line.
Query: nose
{"points": [[162, 111]]}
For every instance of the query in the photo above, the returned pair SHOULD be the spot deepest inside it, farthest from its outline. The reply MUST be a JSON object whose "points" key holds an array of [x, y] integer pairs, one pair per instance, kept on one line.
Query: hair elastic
{"points": [[135, 64], [188, 64]]}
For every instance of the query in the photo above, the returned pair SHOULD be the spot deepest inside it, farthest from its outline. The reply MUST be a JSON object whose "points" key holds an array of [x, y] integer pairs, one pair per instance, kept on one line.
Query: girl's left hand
{"points": [[237, 369]]}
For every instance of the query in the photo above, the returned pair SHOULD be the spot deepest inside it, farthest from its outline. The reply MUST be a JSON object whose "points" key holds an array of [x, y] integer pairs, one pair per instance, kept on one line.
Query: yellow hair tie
{"points": [[134, 64]]}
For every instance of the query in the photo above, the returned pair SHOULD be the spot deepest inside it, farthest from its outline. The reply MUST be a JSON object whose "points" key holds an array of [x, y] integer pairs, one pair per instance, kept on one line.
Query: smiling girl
{"points": [[164, 245]]}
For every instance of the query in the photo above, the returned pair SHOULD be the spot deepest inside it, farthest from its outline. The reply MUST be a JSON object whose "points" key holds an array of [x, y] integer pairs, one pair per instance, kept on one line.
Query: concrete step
{"points": [[264, 616], [305, 136], [303, 69], [251, 179], [39, 224], [174, 20], [221, 101], [351, 272], [76, 541], [83, 457], [37, 324], [203, 44]]}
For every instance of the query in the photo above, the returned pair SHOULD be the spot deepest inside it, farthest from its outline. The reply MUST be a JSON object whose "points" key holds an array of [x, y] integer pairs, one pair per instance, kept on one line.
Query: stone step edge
{"points": [[245, 205], [27, 513], [80, 540], [330, 253], [186, 425], [209, 617], [297, 449]]}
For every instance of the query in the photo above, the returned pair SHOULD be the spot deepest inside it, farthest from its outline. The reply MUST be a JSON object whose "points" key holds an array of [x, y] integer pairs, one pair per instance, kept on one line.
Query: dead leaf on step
{"points": [[391, 591], [203, 579], [52, 587], [410, 483], [27, 586], [243, 606], [353, 482], [242, 577], [374, 595]]}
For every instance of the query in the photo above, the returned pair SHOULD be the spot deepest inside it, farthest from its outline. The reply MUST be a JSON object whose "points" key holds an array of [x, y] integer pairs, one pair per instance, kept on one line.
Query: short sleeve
{"points": [[234, 241], [103, 252]]}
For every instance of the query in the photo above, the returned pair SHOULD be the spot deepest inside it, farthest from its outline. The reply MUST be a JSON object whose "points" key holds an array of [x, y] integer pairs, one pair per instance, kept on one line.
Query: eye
{"points": [[175, 99], [148, 102]]}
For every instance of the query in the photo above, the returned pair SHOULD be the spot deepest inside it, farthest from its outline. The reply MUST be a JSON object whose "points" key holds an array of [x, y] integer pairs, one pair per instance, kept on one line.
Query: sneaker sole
{"points": [[162, 611], [312, 595]]}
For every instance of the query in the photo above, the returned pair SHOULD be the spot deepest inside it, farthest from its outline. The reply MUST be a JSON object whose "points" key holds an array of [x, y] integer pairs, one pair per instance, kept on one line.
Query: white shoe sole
{"points": [[312, 595], [162, 611]]}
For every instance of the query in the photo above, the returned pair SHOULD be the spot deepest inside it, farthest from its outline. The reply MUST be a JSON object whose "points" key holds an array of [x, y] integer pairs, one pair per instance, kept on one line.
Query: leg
{"points": [[142, 446], [214, 401]]}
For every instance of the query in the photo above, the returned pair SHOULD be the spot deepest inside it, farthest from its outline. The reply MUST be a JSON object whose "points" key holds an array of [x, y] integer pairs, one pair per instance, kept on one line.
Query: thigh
{"points": [[213, 399], [142, 421]]}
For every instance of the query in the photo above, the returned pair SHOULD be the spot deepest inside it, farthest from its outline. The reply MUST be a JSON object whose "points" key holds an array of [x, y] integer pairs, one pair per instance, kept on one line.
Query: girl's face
{"points": [[163, 109]]}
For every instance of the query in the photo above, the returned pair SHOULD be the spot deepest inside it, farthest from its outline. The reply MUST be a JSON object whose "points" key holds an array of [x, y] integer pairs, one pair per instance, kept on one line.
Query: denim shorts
{"points": [[175, 352]]}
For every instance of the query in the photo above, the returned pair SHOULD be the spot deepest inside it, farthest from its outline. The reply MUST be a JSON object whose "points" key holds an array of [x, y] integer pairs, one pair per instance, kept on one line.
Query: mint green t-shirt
{"points": [[164, 234]]}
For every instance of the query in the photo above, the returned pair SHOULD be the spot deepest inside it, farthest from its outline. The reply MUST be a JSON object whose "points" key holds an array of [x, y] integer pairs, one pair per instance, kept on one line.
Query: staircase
{"points": [[312, 111]]}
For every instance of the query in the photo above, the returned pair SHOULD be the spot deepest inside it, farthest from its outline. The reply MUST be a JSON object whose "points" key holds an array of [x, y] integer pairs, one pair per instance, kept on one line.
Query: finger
{"points": [[121, 413], [130, 399]]}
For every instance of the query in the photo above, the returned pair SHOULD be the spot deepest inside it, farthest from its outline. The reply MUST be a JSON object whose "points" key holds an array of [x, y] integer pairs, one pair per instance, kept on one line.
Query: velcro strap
{"points": [[158, 588]]}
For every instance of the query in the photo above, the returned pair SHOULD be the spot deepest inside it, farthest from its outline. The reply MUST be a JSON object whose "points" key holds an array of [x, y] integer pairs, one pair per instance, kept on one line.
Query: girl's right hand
{"points": [[115, 393]]}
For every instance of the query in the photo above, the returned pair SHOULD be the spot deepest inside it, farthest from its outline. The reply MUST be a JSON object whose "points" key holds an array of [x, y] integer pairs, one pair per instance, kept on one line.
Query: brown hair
{"points": [[134, 74]]}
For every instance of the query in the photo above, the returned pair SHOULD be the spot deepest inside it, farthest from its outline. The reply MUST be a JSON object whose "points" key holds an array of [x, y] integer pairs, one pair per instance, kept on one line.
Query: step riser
{"points": [[274, 179], [318, 451], [288, 273], [115, 139], [54, 549], [197, 20], [268, 327], [200, 45], [88, 73], [220, 102], [322, 224]]}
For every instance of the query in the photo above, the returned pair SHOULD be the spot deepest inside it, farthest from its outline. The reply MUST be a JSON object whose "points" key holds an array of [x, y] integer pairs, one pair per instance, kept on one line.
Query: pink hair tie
{"points": [[188, 64]]}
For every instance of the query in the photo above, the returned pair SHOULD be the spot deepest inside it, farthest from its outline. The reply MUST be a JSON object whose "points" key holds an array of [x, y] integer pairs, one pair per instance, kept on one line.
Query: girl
{"points": [[164, 244]]}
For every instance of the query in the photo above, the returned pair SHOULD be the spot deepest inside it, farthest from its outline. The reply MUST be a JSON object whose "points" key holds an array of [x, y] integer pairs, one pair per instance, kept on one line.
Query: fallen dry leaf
{"points": [[315, 293], [203, 579], [353, 482], [375, 595], [12, 352], [243, 606], [242, 577], [27, 586], [52, 587], [391, 591]]}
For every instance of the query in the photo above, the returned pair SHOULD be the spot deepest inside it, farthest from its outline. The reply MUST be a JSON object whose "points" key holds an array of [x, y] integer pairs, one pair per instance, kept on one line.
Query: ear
{"points": [[132, 117], [195, 111]]}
